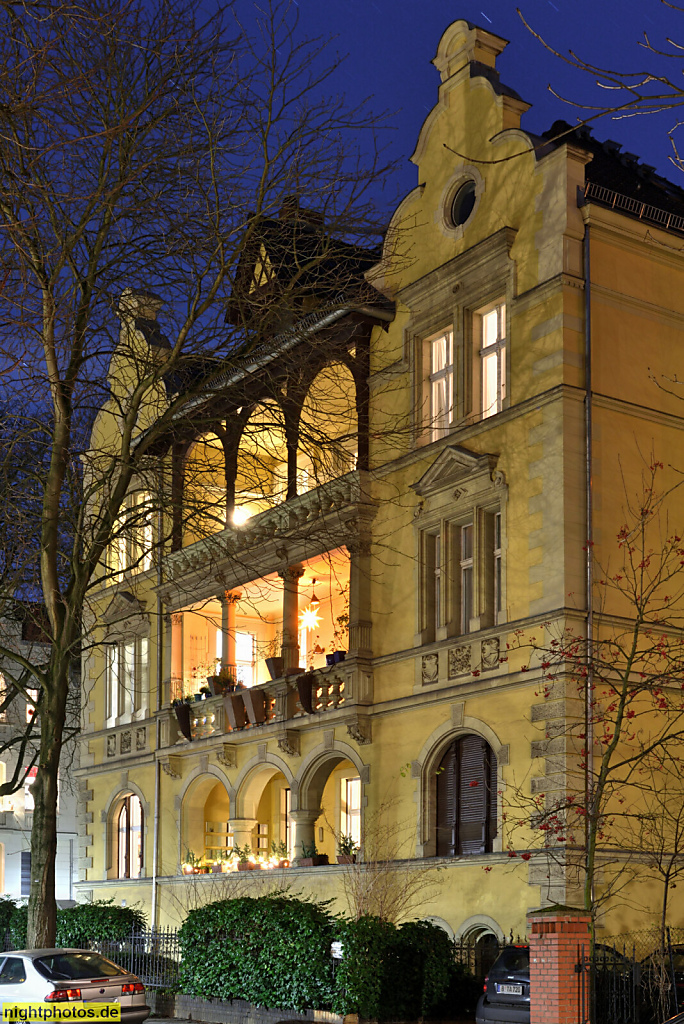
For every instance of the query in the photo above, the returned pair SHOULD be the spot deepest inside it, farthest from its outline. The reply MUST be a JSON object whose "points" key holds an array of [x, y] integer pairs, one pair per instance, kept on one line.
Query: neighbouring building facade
{"points": [[405, 473], [23, 632]]}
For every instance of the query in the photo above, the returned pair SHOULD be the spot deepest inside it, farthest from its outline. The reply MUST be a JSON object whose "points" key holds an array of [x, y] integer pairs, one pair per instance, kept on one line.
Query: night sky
{"points": [[391, 43]]}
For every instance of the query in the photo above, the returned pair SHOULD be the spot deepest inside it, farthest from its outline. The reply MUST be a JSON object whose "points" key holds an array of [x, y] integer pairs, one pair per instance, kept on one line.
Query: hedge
{"points": [[77, 926], [274, 951]]}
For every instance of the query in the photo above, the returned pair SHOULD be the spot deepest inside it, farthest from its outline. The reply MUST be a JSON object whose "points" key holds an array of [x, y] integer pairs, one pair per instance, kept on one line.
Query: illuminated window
{"points": [[29, 779], [350, 809], [244, 658], [129, 823], [31, 703], [441, 384], [130, 549], [492, 331]]}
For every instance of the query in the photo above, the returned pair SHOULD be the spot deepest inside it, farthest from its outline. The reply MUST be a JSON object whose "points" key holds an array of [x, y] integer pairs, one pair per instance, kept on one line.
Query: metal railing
{"points": [[616, 201], [154, 956]]}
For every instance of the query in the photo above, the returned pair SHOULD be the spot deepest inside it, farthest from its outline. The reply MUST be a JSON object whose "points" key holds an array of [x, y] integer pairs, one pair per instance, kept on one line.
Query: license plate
{"points": [[509, 990]]}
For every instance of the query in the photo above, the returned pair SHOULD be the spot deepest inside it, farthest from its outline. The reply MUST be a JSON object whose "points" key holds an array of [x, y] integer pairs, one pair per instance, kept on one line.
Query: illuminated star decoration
{"points": [[309, 618]]}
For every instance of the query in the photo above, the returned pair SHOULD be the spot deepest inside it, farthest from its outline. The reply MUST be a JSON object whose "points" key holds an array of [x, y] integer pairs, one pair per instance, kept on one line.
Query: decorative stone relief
{"points": [[288, 743], [360, 731], [430, 669], [459, 660], [111, 746], [171, 766], [489, 652], [140, 738], [125, 742], [227, 756]]}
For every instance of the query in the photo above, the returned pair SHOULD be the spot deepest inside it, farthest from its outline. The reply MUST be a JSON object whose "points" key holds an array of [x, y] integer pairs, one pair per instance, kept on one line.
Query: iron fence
{"points": [[478, 954], [153, 955]]}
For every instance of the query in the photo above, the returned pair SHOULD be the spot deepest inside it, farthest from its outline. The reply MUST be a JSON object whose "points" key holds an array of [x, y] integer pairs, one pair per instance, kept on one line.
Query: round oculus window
{"points": [[463, 203]]}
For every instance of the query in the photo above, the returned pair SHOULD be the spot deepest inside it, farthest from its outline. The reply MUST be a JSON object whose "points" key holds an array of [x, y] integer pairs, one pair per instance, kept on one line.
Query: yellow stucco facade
{"points": [[465, 524]]}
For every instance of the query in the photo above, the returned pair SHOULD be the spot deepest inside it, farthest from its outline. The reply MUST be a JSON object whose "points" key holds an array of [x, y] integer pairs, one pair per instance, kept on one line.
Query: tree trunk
{"points": [[42, 908]]}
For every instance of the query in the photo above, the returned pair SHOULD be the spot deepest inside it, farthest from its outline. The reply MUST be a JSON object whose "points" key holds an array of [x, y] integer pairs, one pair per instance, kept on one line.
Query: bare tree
{"points": [[145, 147], [621, 721]]}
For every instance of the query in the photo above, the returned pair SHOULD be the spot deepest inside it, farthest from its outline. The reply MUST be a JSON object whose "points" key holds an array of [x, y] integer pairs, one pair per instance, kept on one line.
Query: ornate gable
{"points": [[452, 466]]}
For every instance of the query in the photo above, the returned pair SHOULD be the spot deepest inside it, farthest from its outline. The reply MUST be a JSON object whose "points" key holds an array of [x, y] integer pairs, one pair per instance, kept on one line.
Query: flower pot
{"points": [[183, 717], [283, 863], [330, 659], [255, 703], [346, 858], [313, 862], [234, 708], [275, 667], [199, 697], [306, 686], [216, 869], [339, 656], [247, 866], [216, 685]]}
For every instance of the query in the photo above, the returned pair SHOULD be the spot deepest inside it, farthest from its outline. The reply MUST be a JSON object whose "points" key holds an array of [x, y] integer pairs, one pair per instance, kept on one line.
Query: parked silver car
{"points": [[66, 975]]}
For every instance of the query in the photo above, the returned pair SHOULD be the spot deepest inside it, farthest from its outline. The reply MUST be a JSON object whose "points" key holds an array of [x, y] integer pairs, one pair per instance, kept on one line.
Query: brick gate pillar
{"points": [[555, 934]]}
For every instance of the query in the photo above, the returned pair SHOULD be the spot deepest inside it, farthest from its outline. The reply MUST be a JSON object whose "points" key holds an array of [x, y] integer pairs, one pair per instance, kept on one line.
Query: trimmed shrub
{"points": [[100, 921], [273, 951], [404, 973], [77, 926]]}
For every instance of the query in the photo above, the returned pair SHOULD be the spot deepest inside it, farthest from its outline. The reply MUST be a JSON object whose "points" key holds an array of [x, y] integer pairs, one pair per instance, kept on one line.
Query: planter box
{"points": [[255, 703], [306, 687], [339, 656], [215, 685], [183, 717], [275, 667], [313, 862], [234, 707], [346, 858]]}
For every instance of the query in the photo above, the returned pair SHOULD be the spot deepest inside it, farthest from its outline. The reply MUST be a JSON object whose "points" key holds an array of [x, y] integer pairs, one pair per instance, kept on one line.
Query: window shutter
{"points": [[472, 796], [447, 803], [466, 798]]}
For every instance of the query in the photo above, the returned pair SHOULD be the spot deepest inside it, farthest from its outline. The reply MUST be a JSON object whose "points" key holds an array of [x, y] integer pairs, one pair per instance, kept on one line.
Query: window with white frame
{"points": [[491, 326], [441, 384], [462, 575], [126, 678], [350, 809], [130, 549], [129, 837]]}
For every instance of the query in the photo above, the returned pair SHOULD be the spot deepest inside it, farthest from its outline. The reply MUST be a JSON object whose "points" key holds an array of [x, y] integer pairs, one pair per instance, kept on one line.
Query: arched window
{"points": [[129, 822], [466, 798]]}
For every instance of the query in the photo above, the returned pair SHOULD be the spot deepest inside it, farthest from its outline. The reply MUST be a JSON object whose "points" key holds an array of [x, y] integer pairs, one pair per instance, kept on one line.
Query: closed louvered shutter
{"points": [[447, 803], [466, 798]]}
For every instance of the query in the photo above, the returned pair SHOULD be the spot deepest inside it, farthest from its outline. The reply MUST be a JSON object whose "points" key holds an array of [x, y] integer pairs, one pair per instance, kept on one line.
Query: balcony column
{"points": [[290, 648], [165, 656], [304, 829], [228, 600], [176, 655], [242, 829], [360, 645]]}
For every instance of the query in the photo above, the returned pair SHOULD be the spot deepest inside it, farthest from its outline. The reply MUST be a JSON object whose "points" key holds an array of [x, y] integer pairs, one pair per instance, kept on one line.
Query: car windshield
{"points": [[513, 958], [75, 966]]}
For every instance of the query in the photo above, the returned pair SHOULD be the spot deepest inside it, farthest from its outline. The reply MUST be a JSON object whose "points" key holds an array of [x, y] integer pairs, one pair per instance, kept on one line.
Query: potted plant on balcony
{"points": [[181, 706], [310, 857], [346, 850], [243, 853], [222, 682], [191, 864], [280, 851], [340, 639], [274, 663], [234, 707], [256, 705]]}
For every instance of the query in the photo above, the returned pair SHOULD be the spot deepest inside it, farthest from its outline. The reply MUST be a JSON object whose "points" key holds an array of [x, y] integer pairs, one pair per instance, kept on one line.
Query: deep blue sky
{"points": [[391, 43]]}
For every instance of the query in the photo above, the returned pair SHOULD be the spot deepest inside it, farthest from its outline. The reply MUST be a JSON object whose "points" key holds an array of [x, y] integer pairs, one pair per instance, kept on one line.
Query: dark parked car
{"points": [[506, 997]]}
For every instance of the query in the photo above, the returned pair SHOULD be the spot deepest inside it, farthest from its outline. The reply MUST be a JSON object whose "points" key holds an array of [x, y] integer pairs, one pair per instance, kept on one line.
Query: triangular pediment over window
{"points": [[452, 466], [125, 616]]}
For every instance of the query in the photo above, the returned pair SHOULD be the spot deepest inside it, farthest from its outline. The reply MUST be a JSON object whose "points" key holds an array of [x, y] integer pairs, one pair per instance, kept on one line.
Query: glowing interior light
{"points": [[240, 515], [309, 618]]}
